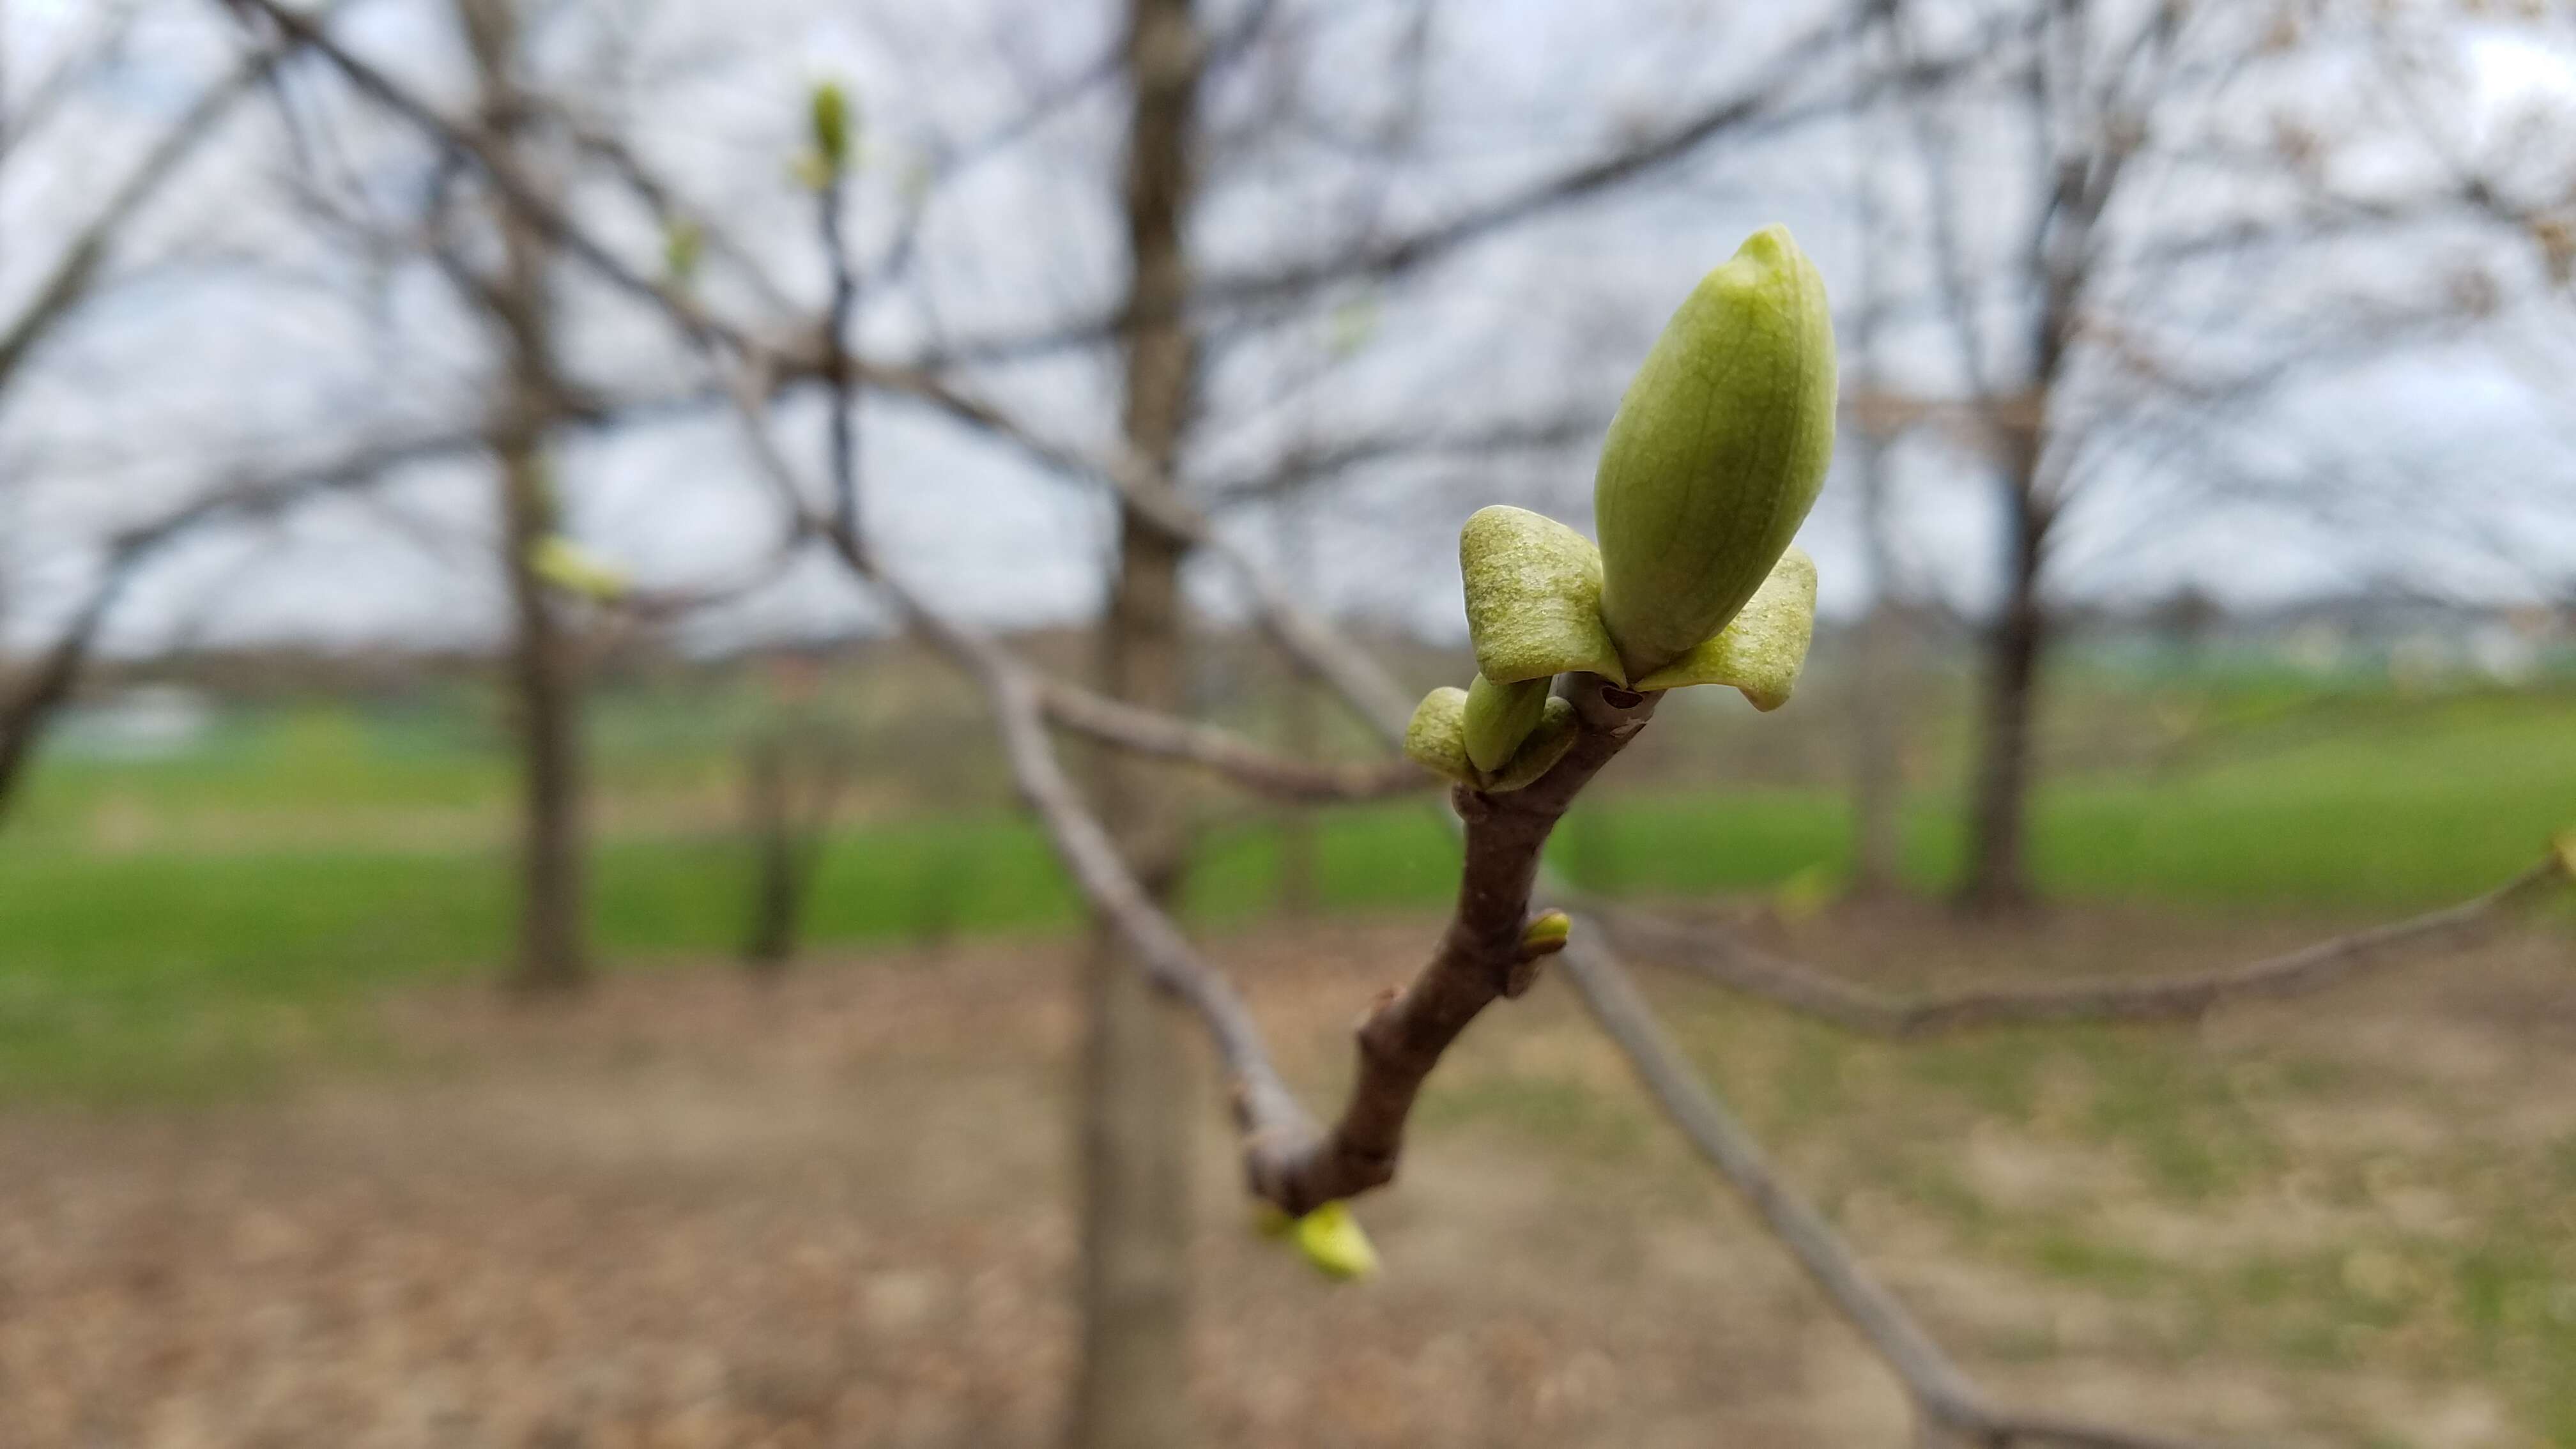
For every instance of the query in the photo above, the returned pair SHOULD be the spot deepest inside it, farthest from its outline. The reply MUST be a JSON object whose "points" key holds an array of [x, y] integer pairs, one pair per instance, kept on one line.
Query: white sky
{"points": [[230, 331]]}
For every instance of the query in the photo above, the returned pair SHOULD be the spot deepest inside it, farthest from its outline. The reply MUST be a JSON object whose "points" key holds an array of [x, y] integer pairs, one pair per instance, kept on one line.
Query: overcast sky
{"points": [[238, 330]]}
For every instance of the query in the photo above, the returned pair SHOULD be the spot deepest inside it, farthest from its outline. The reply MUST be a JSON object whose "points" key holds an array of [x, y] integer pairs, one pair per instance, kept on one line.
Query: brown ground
{"points": [[693, 1213]]}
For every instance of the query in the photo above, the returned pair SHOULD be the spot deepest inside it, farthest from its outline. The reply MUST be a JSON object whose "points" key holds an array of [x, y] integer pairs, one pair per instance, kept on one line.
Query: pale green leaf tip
{"points": [[1499, 717], [1539, 753], [576, 570], [1763, 648], [1533, 597], [1436, 737], [2566, 847], [1331, 1239]]}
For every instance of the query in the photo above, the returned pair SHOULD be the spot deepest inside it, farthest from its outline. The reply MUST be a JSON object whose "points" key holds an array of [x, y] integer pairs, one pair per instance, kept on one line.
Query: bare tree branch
{"points": [[1726, 959], [77, 270], [1238, 760], [1942, 1394]]}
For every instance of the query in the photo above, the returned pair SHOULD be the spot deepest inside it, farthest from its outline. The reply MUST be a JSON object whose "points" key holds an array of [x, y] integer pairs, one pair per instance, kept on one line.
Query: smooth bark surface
{"points": [[1131, 1389]]}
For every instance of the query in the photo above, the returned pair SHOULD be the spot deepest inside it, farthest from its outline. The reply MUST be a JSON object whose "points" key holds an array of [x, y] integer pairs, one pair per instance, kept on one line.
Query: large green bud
{"points": [[1717, 452]]}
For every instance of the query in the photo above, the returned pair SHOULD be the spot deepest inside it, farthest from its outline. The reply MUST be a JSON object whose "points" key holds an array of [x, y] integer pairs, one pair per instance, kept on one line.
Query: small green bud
{"points": [[683, 243], [2566, 846], [1547, 933], [831, 120], [1436, 737], [1761, 651], [1717, 452], [576, 570], [1499, 717], [1539, 753], [1533, 597], [1331, 1239]]}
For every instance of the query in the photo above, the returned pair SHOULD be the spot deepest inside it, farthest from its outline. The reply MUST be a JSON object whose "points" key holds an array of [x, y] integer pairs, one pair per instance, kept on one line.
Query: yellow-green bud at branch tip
{"points": [[1717, 452], [1499, 717], [1329, 1238], [2566, 843], [831, 119]]}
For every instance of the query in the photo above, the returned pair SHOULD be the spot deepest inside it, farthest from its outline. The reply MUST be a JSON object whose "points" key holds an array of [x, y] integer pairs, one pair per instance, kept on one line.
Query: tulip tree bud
{"points": [[1533, 597], [1717, 452], [1762, 650], [831, 121], [1499, 717]]}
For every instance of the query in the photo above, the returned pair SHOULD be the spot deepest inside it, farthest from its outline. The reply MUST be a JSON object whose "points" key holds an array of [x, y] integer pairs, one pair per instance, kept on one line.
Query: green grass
{"points": [[194, 940]]}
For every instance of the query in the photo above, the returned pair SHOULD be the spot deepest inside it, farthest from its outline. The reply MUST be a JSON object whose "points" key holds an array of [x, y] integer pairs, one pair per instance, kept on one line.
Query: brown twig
{"points": [[1481, 957], [1731, 962]]}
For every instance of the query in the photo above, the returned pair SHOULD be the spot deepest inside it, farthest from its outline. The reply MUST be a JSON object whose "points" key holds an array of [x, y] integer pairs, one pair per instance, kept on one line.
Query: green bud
{"points": [[1547, 933], [683, 243], [2565, 844], [1436, 737], [1533, 597], [1331, 1239], [1499, 717], [1762, 649], [831, 119], [1717, 452], [576, 570], [1539, 753]]}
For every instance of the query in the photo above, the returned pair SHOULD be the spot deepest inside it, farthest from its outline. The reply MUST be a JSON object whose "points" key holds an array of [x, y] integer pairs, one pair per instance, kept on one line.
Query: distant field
{"points": [[160, 919]]}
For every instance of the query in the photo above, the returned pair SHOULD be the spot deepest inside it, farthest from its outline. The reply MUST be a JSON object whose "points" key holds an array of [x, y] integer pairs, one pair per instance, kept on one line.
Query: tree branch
{"points": [[1732, 963], [1942, 1395], [1238, 760]]}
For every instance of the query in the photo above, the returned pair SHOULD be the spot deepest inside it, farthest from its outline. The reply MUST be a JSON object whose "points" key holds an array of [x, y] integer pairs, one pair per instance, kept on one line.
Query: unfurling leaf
{"points": [[1762, 650], [1332, 1240], [1436, 737], [1717, 452], [1539, 753], [1499, 717], [576, 570], [1533, 597]]}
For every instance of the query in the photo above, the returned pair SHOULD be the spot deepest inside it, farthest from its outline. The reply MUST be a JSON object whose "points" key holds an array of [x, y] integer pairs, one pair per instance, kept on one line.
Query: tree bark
{"points": [[544, 669], [1998, 876], [1131, 1390]]}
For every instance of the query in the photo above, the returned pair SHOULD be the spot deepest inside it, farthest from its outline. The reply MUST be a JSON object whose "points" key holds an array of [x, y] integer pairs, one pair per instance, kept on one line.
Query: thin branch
{"points": [[844, 400], [1236, 759], [1481, 957], [77, 270], [1732, 963], [1942, 1394]]}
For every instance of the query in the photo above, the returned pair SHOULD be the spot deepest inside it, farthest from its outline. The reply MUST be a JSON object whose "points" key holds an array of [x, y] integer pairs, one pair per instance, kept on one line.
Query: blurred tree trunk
{"points": [[1878, 774], [1998, 878], [1301, 726], [1132, 1386], [544, 665], [1878, 744]]}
